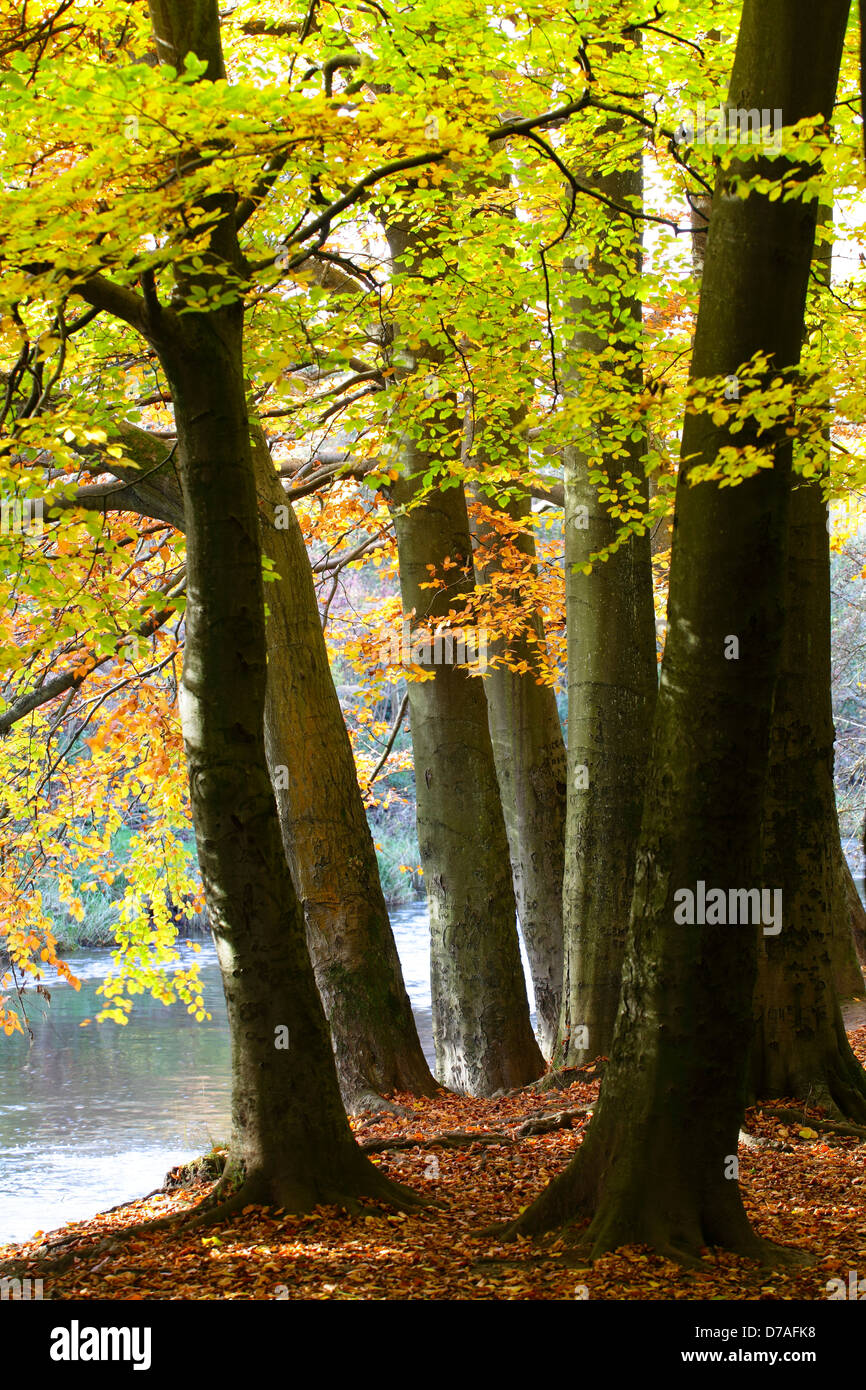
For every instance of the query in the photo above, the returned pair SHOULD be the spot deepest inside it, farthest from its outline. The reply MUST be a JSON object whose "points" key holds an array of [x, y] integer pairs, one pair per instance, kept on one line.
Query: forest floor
{"points": [[803, 1187]]}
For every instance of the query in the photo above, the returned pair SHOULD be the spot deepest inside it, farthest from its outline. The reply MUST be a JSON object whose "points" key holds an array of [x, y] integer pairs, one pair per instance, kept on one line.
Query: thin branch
{"points": [[73, 680], [309, 20], [332, 566], [395, 729]]}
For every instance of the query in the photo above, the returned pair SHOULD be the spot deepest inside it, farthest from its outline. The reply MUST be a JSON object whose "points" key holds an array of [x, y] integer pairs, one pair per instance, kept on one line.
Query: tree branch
{"points": [[118, 300], [395, 729], [73, 680]]}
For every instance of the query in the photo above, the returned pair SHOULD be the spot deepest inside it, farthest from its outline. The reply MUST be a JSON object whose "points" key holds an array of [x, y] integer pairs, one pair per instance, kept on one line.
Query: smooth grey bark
{"points": [[612, 669], [529, 753], [655, 1166], [481, 1029]]}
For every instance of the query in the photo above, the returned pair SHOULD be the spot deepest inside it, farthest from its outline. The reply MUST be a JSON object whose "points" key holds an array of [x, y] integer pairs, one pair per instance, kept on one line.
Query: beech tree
{"points": [[291, 1142], [529, 753], [800, 1047], [326, 836], [481, 1028], [653, 1165], [612, 674]]}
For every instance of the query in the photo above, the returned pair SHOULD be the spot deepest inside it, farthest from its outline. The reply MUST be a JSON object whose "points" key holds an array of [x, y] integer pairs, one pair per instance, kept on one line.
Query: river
{"points": [[90, 1117]]}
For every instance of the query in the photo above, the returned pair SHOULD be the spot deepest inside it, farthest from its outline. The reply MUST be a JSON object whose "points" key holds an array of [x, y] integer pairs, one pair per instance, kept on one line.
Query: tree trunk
{"points": [[291, 1142], [326, 837], [325, 831], [658, 1165], [612, 668], [529, 753], [846, 978], [481, 1029], [800, 1047]]}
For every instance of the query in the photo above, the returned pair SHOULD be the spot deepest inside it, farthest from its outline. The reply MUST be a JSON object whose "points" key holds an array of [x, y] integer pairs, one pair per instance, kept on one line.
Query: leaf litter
{"points": [[802, 1187]]}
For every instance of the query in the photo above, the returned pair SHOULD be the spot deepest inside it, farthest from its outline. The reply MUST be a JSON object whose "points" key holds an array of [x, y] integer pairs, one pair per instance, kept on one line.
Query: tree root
{"points": [[448, 1139], [546, 1123], [542, 1123], [564, 1078], [785, 1112], [371, 1103], [586, 1245]]}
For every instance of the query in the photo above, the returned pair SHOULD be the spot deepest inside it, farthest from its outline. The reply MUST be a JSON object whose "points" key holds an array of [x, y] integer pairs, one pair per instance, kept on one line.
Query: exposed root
{"points": [[542, 1123], [449, 1139], [785, 1112], [563, 1078], [371, 1103], [547, 1123]]}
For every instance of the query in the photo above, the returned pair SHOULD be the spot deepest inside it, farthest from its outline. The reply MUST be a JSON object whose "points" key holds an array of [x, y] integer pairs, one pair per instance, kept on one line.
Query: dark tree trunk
{"points": [[291, 1142], [800, 1047], [656, 1165], [290, 1137]]}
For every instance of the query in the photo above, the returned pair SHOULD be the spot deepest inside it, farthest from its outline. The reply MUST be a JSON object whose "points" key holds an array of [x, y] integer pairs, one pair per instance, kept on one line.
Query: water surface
{"points": [[90, 1117]]}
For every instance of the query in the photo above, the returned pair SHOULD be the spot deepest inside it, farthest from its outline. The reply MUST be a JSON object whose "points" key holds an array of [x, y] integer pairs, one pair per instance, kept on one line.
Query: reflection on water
{"points": [[90, 1117]]}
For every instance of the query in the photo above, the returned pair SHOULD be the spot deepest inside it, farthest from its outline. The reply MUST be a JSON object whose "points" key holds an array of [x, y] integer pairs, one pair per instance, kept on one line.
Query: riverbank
{"points": [[804, 1187], [155, 1091]]}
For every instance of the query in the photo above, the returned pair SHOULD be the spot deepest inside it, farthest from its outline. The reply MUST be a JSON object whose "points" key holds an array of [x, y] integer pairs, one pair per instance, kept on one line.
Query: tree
{"points": [[326, 838], [325, 831], [481, 1027], [528, 747], [800, 1047], [653, 1166], [612, 673], [291, 1143]]}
